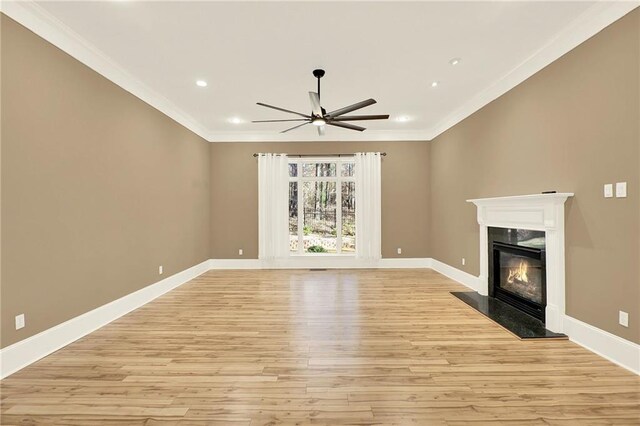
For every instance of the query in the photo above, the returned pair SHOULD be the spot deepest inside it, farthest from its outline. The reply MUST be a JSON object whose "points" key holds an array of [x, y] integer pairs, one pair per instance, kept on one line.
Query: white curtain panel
{"points": [[273, 206], [368, 206]]}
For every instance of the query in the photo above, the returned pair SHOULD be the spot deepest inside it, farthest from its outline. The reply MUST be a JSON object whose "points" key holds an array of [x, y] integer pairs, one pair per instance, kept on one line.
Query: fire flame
{"points": [[519, 273]]}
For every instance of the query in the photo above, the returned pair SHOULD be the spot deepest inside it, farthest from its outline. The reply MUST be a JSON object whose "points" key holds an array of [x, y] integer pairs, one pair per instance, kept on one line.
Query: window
{"points": [[322, 206]]}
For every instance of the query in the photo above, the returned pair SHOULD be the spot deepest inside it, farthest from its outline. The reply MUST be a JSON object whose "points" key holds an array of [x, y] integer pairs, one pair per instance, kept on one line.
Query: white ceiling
{"points": [[265, 51]]}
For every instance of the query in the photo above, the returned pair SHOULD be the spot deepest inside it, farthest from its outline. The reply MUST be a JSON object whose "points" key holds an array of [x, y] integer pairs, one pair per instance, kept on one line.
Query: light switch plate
{"points": [[19, 321], [623, 318], [240, 252], [608, 190], [160, 270], [621, 189], [399, 250]]}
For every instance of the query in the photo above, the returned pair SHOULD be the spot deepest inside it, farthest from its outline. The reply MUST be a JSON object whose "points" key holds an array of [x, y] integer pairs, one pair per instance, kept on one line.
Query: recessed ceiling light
{"points": [[403, 119], [435, 84], [201, 83], [455, 61], [236, 120]]}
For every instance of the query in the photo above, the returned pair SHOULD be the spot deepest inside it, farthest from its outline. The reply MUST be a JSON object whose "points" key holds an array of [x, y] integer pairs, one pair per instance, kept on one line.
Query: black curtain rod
{"points": [[384, 154]]}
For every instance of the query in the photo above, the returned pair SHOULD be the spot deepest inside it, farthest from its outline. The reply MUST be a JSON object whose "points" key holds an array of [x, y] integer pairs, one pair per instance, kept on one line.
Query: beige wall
{"points": [[572, 127], [234, 183], [98, 188]]}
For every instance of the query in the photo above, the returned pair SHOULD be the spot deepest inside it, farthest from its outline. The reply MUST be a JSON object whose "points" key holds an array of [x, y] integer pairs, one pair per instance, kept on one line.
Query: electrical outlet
{"points": [[399, 250], [464, 261], [621, 189], [160, 270], [623, 318], [240, 252], [19, 321], [608, 190]]}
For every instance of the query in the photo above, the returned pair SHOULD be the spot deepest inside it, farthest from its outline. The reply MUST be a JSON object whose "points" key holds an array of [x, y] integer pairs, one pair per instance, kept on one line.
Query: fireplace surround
{"points": [[536, 212]]}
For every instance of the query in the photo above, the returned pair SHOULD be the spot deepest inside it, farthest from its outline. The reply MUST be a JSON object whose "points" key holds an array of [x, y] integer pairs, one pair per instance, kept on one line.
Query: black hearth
{"points": [[519, 277]]}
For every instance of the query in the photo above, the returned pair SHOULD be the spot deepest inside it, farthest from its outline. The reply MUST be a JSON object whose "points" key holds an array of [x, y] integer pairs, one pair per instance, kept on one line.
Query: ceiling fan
{"points": [[319, 116]]}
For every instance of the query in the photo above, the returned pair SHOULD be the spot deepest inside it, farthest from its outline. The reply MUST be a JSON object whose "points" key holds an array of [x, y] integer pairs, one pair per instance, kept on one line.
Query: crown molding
{"points": [[333, 135], [42, 23], [585, 26], [589, 23]]}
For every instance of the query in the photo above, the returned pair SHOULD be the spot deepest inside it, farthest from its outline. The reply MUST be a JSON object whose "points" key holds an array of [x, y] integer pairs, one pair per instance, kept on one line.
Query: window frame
{"points": [[338, 179]]}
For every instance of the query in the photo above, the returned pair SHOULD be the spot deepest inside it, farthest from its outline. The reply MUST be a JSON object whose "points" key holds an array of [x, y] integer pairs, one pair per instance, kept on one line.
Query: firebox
{"points": [[519, 277]]}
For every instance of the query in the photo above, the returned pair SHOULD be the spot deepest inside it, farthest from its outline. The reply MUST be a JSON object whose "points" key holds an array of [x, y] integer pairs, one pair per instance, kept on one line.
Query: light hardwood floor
{"points": [[333, 347]]}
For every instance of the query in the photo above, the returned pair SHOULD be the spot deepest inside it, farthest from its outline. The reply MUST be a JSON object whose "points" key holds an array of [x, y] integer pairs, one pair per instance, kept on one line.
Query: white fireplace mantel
{"points": [[540, 212]]}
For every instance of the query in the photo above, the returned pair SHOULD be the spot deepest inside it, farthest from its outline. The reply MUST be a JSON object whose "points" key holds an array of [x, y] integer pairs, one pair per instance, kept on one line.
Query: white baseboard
{"points": [[325, 262], [609, 346], [616, 349], [455, 274], [31, 349]]}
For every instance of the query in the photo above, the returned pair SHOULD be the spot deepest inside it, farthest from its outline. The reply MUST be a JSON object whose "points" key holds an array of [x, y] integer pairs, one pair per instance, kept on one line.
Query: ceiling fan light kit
{"points": [[319, 116]]}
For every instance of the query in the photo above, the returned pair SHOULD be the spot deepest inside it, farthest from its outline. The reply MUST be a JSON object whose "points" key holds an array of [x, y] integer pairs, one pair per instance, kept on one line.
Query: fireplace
{"points": [[536, 213], [519, 277]]}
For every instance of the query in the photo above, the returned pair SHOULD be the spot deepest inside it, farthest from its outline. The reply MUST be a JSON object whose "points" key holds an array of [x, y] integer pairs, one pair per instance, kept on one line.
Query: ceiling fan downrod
{"points": [[319, 73]]}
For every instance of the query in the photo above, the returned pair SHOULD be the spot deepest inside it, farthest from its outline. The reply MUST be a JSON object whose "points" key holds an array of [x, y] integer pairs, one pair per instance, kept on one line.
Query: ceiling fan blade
{"points": [[315, 104], [350, 108], [283, 110], [279, 121], [321, 130], [360, 117], [295, 127], [345, 125]]}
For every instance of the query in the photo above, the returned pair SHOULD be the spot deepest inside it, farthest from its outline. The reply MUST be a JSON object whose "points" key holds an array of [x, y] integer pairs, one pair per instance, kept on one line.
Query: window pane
{"points": [[348, 169], [348, 217], [320, 217], [319, 169], [293, 170], [293, 217]]}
